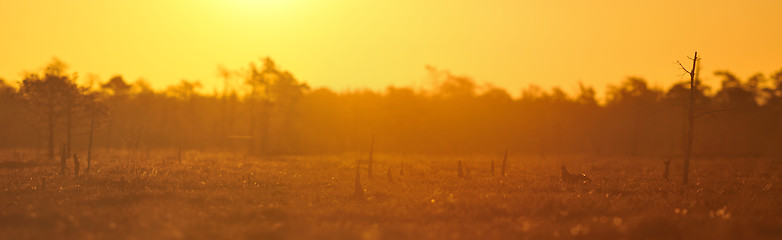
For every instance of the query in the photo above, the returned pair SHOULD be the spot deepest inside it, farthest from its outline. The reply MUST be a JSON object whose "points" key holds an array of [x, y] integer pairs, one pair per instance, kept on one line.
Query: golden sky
{"points": [[352, 44]]}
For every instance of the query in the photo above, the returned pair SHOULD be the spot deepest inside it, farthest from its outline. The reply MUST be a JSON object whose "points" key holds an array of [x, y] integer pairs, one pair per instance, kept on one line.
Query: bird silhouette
{"points": [[568, 177]]}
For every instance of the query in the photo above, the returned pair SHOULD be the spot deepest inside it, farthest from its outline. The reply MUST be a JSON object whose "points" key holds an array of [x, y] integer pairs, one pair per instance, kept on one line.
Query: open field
{"points": [[222, 196]]}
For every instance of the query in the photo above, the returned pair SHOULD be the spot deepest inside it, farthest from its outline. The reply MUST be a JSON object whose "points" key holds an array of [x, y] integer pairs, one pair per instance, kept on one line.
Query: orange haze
{"points": [[350, 44]]}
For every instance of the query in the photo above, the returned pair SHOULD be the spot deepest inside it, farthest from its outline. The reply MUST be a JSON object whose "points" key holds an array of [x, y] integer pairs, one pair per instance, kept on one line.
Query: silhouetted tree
{"points": [[259, 99], [741, 98], [97, 111], [8, 110], [50, 97], [118, 91], [276, 113], [185, 90], [635, 100], [690, 119], [275, 93], [117, 86]]}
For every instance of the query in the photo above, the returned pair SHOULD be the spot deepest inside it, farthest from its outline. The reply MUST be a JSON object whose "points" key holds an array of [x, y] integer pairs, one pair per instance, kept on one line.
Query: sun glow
{"points": [[258, 10], [259, 3], [276, 7]]}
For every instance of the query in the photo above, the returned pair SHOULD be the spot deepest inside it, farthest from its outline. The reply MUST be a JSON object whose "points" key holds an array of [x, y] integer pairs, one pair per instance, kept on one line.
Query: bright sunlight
{"points": [[265, 7]]}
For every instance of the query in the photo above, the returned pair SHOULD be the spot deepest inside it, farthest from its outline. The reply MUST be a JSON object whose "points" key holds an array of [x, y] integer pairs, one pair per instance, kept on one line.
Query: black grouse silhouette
{"points": [[568, 177]]}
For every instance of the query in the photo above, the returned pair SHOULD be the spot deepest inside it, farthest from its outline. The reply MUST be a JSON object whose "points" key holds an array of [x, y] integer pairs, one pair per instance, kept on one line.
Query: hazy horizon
{"points": [[345, 44]]}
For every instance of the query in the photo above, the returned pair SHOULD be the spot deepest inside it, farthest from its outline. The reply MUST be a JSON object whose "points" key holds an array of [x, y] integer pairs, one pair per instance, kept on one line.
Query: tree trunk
{"points": [[109, 134], [69, 126], [690, 122], [265, 128], [252, 143], [460, 172], [358, 190], [89, 143], [51, 136], [492, 167], [371, 149], [75, 165], [636, 133], [504, 161], [667, 164], [63, 159]]}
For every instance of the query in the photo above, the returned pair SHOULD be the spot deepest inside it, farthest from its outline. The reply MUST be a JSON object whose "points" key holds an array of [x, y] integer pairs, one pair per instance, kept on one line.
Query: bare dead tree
{"points": [[690, 118]]}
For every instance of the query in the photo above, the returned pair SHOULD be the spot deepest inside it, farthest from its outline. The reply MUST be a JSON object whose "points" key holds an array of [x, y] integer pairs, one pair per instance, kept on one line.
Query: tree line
{"points": [[265, 110]]}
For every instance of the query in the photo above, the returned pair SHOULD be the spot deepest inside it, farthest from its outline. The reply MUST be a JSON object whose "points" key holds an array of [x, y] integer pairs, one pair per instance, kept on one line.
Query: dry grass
{"points": [[214, 196]]}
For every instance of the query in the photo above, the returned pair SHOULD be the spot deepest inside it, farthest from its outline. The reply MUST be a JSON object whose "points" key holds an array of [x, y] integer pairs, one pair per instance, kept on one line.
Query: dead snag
{"points": [[358, 191], [504, 162], [179, 155], [690, 119], [667, 164], [75, 165], [460, 172], [492, 167]]}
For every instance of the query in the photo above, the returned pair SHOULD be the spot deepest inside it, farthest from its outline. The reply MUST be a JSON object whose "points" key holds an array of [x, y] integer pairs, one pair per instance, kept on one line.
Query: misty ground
{"points": [[224, 196]]}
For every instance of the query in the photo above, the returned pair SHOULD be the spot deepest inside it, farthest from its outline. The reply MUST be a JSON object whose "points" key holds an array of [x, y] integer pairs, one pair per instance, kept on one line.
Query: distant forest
{"points": [[280, 115]]}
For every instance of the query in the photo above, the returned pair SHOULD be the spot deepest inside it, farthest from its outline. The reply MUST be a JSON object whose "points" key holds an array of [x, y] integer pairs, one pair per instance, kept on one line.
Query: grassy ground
{"points": [[214, 196]]}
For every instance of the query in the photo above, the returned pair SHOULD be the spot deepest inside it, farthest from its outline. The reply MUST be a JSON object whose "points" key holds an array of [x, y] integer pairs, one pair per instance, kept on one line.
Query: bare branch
{"points": [[711, 113], [683, 68]]}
